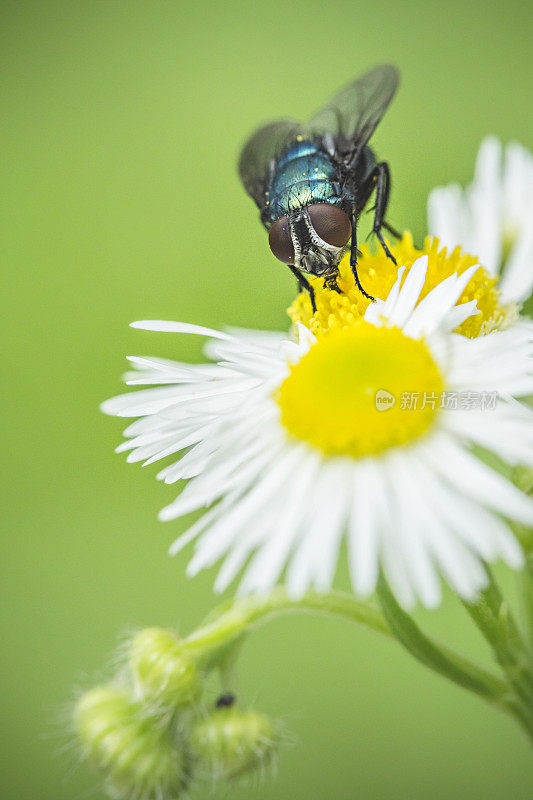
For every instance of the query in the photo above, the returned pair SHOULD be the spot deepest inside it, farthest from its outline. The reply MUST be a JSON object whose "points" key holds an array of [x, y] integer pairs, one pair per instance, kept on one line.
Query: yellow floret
{"points": [[378, 273]]}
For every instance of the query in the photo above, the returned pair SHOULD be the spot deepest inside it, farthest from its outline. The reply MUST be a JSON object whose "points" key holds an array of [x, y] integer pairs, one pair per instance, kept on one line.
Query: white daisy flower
{"points": [[287, 449], [493, 217]]}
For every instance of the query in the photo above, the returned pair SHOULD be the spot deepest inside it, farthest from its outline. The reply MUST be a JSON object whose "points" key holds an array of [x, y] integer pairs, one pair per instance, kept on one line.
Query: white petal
{"points": [[468, 474], [214, 543], [483, 532], [433, 310], [201, 524], [517, 280], [363, 532], [496, 206], [448, 216], [508, 434], [410, 292], [305, 337], [379, 310], [166, 326], [484, 197], [412, 524], [140, 403], [317, 533], [269, 561], [326, 549], [214, 483], [457, 315]]}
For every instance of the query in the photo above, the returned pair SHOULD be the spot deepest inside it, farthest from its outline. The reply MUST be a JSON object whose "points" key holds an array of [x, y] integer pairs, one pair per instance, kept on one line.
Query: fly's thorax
{"points": [[304, 174], [308, 203], [365, 164]]}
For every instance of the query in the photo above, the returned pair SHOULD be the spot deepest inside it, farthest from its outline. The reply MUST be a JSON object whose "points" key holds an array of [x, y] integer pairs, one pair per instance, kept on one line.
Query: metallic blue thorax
{"points": [[303, 175]]}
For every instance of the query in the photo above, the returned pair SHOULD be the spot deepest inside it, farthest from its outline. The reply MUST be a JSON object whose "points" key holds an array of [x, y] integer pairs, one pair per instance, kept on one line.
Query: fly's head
{"points": [[311, 238]]}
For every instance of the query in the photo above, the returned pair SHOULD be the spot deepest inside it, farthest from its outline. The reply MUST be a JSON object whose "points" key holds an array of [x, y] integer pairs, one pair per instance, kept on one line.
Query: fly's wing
{"points": [[353, 114], [261, 151]]}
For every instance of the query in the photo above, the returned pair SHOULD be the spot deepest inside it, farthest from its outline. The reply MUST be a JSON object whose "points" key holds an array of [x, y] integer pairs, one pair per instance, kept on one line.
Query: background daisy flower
{"points": [[378, 273], [492, 217], [363, 433]]}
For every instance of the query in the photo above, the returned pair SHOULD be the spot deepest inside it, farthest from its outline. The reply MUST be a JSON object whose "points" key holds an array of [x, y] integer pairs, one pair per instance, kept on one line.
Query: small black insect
{"points": [[225, 700], [311, 181]]}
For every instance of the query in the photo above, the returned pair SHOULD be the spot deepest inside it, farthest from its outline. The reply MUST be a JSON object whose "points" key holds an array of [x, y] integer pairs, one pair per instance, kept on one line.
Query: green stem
{"points": [[227, 624], [226, 627], [493, 617], [439, 657], [527, 581]]}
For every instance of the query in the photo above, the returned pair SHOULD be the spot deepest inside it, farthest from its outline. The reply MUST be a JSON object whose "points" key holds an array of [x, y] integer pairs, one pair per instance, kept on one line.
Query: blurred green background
{"points": [[121, 127]]}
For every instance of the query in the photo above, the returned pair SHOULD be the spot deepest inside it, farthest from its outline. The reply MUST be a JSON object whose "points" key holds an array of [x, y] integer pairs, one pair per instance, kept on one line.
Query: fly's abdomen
{"points": [[303, 175]]}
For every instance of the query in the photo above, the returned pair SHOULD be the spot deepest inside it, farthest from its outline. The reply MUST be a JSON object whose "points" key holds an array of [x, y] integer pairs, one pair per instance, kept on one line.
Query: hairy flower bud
{"points": [[135, 755], [232, 742], [162, 670]]}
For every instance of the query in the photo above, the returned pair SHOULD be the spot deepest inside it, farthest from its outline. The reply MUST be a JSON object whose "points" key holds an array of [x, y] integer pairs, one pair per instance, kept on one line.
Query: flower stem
{"points": [[225, 628], [528, 596], [229, 622], [439, 657], [493, 617]]}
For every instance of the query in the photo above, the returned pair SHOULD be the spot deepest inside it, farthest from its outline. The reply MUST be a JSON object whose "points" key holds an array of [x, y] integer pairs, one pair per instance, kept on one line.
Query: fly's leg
{"points": [[303, 282], [380, 178], [395, 233], [353, 258], [391, 230], [331, 284]]}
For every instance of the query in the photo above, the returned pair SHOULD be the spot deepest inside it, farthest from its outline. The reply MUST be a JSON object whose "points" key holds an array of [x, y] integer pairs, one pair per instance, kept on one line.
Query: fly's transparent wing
{"points": [[353, 114], [262, 150], [350, 117]]}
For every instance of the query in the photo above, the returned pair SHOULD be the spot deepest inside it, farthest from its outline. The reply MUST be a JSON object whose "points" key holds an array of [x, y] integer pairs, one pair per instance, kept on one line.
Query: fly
{"points": [[312, 181]]}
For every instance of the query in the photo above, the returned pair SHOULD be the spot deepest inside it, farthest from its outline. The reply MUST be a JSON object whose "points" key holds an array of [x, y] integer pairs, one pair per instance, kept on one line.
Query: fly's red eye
{"points": [[279, 239], [331, 223]]}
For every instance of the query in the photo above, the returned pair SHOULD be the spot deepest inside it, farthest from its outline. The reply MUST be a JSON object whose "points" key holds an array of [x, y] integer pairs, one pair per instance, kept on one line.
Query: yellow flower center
{"points": [[378, 273], [361, 390]]}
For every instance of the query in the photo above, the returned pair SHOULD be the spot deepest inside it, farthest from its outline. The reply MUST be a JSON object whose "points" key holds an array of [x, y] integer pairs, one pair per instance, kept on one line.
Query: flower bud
{"points": [[232, 742], [162, 670], [136, 756]]}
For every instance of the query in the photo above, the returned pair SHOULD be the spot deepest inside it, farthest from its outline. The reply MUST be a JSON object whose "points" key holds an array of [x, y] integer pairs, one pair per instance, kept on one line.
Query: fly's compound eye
{"points": [[331, 223], [280, 241]]}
